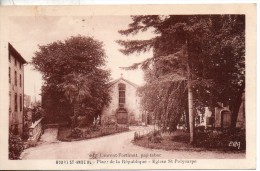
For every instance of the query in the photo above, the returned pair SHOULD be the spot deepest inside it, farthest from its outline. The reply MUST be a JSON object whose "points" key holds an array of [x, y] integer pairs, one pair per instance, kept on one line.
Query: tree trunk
{"points": [[190, 98], [235, 109], [74, 120], [191, 113], [187, 119], [146, 118]]}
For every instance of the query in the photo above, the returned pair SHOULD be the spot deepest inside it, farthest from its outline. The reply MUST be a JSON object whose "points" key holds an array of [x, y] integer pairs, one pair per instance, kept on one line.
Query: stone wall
{"points": [[35, 131]]}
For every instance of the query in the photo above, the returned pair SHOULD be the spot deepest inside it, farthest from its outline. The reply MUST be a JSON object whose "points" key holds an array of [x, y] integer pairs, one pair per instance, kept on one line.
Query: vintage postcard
{"points": [[128, 87]]}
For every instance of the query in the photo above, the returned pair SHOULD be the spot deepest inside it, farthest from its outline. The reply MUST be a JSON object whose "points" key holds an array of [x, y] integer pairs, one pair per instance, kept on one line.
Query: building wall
{"points": [[132, 102], [203, 118], [218, 119], [16, 116]]}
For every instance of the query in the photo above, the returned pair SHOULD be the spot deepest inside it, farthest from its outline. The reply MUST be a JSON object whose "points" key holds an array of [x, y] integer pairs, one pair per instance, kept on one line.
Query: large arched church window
{"points": [[121, 88]]}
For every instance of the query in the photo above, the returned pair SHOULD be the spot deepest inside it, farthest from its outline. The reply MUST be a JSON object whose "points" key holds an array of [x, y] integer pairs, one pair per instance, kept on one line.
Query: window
{"points": [[21, 103], [121, 94], [20, 80], [15, 102], [15, 77], [9, 75]]}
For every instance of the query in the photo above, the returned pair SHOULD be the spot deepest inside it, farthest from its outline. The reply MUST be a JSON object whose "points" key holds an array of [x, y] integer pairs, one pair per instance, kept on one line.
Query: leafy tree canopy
{"points": [[73, 71], [212, 46]]}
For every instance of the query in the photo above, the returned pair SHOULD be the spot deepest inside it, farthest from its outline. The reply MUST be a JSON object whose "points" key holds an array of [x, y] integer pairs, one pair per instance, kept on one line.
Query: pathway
{"points": [[111, 145]]}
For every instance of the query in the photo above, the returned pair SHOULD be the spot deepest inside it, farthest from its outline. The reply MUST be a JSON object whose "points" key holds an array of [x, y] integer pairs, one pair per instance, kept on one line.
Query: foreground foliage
{"points": [[233, 140], [15, 146]]}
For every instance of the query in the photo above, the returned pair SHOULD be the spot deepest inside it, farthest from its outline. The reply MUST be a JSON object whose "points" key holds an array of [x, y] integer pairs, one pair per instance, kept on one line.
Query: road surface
{"points": [[111, 146]]}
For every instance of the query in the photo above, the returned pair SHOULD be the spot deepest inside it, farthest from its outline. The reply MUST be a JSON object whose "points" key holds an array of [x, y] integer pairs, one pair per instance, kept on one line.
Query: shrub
{"points": [[221, 139], [37, 112], [137, 136], [95, 127], [15, 146], [73, 121], [76, 133], [25, 132], [82, 121], [88, 130], [155, 137], [108, 122], [104, 132]]}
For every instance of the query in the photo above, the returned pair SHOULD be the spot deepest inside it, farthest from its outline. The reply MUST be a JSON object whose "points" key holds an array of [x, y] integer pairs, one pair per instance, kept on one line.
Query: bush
{"points": [[155, 137], [95, 127], [25, 132], [76, 133], [137, 136], [37, 112], [82, 121], [221, 139], [87, 131], [15, 146], [108, 122]]}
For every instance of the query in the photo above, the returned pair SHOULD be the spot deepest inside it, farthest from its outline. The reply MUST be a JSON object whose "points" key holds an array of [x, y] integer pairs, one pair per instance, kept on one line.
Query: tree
{"points": [[75, 77], [76, 88], [37, 112], [205, 51]]}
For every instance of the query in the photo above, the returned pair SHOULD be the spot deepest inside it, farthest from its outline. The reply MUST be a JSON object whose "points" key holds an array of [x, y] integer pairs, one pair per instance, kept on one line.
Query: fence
{"points": [[35, 132]]}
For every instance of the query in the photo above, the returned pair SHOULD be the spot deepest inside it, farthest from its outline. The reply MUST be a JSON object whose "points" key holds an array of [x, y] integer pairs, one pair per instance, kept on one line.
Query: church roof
{"points": [[117, 80]]}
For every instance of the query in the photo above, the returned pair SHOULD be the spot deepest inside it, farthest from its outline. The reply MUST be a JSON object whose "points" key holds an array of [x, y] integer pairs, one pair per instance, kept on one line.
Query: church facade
{"points": [[124, 107]]}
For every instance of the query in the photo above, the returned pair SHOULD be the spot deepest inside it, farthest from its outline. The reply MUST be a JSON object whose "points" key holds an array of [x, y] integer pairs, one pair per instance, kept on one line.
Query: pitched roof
{"points": [[16, 54], [117, 80]]}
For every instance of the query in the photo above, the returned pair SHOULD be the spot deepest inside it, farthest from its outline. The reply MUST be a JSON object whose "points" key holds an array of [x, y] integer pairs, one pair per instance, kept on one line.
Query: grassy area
{"points": [[179, 140], [65, 133], [176, 141]]}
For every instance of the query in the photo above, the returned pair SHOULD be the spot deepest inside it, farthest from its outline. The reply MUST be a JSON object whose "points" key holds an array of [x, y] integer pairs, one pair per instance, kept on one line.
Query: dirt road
{"points": [[112, 146]]}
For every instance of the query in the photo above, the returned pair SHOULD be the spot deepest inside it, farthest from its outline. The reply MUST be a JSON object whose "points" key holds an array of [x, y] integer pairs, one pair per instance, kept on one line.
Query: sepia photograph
{"points": [[128, 89]]}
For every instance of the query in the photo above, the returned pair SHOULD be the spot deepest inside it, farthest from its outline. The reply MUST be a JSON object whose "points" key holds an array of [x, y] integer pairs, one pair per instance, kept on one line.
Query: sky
{"points": [[26, 33]]}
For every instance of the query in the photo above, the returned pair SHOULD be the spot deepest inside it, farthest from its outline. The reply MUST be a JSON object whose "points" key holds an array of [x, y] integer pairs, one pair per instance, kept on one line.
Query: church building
{"points": [[124, 107]]}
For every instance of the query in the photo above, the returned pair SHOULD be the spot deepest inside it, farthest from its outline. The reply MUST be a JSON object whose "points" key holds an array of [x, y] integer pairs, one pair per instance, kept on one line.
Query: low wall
{"points": [[35, 132]]}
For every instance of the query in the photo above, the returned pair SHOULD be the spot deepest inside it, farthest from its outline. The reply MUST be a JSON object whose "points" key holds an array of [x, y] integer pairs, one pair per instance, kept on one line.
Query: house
{"points": [[221, 117], [16, 90], [204, 118], [124, 107]]}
